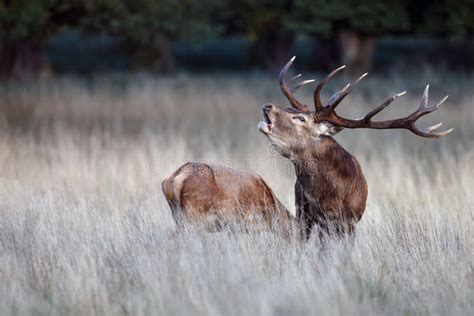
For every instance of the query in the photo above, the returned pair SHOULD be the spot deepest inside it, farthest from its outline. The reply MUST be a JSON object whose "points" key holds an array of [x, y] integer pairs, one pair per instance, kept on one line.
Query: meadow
{"points": [[85, 229]]}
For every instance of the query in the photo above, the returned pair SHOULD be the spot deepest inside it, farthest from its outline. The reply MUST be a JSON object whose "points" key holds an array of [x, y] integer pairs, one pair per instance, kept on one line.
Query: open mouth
{"points": [[265, 126], [266, 118]]}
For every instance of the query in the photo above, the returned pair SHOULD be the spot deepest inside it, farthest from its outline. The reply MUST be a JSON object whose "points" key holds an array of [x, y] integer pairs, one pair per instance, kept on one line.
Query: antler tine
{"points": [[294, 78], [433, 128], [295, 88], [423, 110], [424, 99], [337, 94], [317, 92], [287, 91], [428, 134], [341, 94], [382, 106], [444, 133], [301, 83]]}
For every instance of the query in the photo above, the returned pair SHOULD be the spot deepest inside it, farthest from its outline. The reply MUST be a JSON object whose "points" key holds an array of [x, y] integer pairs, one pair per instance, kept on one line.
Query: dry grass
{"points": [[84, 228]]}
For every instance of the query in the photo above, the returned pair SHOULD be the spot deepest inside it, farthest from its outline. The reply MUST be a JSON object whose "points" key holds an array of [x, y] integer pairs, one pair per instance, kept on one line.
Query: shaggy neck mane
{"points": [[325, 159]]}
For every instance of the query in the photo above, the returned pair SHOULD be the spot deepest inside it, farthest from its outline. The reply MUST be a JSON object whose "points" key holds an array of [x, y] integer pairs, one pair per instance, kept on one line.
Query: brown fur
{"points": [[330, 189], [212, 196]]}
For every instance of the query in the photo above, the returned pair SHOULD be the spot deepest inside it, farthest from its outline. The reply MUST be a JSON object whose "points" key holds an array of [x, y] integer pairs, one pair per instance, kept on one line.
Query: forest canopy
{"points": [[347, 29]]}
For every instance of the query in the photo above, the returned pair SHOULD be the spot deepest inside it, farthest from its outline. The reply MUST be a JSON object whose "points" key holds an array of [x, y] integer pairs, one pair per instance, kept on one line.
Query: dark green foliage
{"points": [[26, 19], [138, 20], [454, 18], [24, 28], [253, 17], [265, 23], [325, 17], [23, 19], [317, 17], [150, 26], [376, 17]]}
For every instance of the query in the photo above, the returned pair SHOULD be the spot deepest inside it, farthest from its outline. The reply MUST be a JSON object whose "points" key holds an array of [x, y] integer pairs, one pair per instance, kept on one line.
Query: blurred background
{"points": [[48, 37]]}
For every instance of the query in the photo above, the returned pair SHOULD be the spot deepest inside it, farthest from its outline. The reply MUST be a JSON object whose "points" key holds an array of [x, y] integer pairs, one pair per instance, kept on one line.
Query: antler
{"points": [[289, 89], [327, 113]]}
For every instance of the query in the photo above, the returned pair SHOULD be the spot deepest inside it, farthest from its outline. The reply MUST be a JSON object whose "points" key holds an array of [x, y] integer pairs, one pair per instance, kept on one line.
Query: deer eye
{"points": [[302, 119]]}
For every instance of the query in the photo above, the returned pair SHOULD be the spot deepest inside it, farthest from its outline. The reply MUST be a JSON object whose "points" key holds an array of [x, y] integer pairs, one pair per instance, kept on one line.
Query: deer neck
{"points": [[322, 163]]}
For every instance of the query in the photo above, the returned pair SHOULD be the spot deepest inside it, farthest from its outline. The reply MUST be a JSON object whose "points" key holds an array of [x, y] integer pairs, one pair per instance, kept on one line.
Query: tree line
{"points": [[346, 29]]}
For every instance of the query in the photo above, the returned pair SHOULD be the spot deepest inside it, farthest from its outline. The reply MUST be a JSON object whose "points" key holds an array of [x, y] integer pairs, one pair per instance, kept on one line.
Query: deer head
{"points": [[294, 129]]}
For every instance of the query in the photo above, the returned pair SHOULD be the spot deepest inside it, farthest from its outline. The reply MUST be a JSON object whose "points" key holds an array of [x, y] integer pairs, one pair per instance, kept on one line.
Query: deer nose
{"points": [[267, 108]]}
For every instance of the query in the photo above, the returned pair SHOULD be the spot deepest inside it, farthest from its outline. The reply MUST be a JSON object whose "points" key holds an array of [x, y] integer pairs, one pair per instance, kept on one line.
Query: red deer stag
{"points": [[330, 188], [212, 196]]}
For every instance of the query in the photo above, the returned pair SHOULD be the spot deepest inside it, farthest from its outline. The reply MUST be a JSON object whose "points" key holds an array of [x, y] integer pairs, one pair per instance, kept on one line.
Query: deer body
{"points": [[330, 188], [211, 196]]}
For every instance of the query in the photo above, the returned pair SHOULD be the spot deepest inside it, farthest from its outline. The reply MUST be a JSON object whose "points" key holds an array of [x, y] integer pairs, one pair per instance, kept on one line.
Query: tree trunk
{"points": [[157, 56], [7, 59], [271, 50], [25, 59], [357, 50], [366, 53]]}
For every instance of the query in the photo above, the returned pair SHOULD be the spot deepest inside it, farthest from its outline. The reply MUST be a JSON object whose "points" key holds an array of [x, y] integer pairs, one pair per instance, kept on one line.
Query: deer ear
{"points": [[334, 130], [325, 128]]}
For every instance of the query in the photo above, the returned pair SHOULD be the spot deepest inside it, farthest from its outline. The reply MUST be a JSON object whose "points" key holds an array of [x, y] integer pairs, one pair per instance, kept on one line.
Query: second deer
{"points": [[212, 196]]}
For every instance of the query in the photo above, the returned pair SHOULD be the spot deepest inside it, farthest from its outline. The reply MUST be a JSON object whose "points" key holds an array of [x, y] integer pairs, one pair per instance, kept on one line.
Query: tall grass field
{"points": [[85, 228]]}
